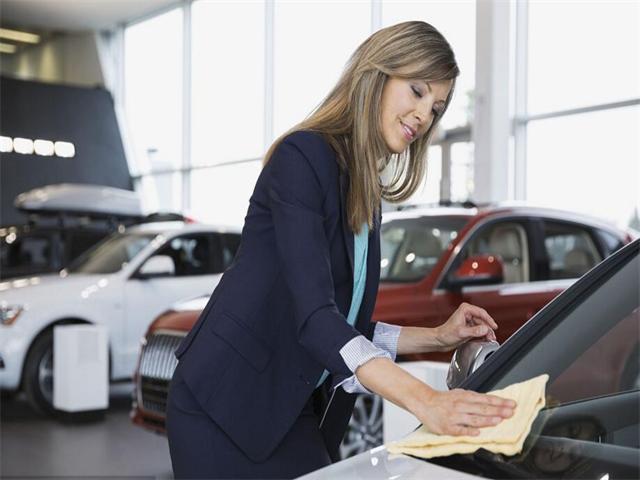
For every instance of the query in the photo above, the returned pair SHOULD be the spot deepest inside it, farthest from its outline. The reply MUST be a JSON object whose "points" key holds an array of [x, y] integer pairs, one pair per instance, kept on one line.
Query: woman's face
{"points": [[409, 108]]}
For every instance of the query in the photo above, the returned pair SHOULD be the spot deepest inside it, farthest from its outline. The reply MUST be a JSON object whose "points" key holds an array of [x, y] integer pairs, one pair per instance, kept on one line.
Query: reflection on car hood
{"points": [[192, 304], [380, 464], [53, 286]]}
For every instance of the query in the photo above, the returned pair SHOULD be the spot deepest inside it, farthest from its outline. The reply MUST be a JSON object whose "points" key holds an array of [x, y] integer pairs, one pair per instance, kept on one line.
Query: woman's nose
{"points": [[421, 113], [420, 116]]}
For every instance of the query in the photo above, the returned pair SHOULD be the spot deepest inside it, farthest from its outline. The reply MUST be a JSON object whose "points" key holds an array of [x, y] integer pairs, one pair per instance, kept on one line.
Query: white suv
{"points": [[124, 282]]}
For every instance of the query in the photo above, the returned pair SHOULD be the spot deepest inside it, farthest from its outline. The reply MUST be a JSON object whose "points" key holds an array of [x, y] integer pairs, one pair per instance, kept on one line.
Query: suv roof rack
{"points": [[80, 200]]}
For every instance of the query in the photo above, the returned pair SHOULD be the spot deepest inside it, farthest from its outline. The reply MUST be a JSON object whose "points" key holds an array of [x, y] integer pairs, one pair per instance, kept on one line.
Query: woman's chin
{"points": [[397, 146]]}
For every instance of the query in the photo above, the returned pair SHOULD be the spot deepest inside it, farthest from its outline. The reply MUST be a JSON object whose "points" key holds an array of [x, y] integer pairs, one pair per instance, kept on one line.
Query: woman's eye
{"points": [[416, 92]]}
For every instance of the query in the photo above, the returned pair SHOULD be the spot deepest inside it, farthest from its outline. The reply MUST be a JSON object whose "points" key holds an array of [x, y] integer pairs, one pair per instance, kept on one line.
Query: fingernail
{"points": [[496, 420]]}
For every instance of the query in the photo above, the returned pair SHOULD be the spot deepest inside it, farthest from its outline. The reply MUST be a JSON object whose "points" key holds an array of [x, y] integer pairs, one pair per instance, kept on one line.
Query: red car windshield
{"points": [[410, 247]]}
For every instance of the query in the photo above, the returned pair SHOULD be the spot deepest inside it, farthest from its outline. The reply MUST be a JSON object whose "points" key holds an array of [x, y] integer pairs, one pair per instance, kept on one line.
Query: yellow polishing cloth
{"points": [[507, 437]]}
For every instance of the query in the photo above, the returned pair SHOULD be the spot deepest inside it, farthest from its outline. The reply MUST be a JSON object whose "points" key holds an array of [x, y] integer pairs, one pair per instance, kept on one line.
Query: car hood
{"points": [[378, 463], [30, 290]]}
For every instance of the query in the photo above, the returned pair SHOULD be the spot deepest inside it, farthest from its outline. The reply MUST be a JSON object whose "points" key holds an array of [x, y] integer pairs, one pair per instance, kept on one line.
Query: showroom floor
{"points": [[34, 446]]}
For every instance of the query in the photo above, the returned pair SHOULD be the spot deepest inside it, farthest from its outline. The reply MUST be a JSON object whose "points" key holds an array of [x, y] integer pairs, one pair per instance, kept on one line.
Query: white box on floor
{"points": [[397, 422], [80, 368]]}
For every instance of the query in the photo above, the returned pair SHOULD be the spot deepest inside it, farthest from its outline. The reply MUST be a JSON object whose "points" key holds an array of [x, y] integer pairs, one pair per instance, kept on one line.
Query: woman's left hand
{"points": [[466, 323]]}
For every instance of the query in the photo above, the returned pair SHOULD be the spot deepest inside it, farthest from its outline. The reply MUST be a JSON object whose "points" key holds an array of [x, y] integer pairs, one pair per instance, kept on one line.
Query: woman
{"points": [[265, 381]]}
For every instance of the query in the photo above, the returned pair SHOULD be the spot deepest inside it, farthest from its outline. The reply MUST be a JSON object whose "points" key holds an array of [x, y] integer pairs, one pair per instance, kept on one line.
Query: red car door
{"points": [[518, 297]]}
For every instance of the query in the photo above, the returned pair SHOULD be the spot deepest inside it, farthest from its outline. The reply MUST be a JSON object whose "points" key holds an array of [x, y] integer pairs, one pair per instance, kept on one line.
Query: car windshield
{"points": [[112, 254], [411, 247], [589, 428]]}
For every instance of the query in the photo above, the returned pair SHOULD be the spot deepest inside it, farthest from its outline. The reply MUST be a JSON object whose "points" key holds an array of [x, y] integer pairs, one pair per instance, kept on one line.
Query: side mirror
{"points": [[157, 266], [478, 270], [467, 359]]}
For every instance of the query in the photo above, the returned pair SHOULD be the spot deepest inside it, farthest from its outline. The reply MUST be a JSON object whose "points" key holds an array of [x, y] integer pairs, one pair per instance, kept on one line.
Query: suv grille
{"points": [[157, 364]]}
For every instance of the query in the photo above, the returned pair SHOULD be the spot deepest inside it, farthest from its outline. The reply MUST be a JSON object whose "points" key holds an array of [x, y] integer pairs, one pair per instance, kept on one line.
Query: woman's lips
{"points": [[408, 132]]}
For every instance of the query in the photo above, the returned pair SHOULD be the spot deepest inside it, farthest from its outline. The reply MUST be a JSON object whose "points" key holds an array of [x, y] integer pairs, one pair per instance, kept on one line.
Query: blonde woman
{"points": [[266, 378]]}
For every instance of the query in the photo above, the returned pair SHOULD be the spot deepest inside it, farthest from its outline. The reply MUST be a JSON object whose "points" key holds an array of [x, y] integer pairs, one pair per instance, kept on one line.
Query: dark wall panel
{"points": [[83, 116]]}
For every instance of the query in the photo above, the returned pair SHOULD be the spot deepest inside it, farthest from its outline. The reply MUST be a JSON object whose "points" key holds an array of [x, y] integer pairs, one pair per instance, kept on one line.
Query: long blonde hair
{"points": [[349, 117]]}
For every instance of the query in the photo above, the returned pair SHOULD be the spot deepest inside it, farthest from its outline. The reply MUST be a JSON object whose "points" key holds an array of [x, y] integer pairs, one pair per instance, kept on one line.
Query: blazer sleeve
{"points": [[296, 200]]}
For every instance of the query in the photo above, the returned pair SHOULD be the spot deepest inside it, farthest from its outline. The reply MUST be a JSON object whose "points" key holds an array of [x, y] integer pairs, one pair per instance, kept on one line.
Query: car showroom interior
{"points": [[472, 310]]}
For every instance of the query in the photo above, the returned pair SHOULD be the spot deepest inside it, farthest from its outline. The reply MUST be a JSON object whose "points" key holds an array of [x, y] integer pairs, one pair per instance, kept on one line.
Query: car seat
{"points": [[577, 262], [505, 241]]}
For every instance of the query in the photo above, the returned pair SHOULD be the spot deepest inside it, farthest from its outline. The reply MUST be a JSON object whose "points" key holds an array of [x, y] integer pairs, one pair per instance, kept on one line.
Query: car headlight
{"points": [[9, 313]]}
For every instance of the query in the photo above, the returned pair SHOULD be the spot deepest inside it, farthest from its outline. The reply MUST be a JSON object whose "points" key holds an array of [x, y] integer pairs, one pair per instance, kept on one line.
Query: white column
{"points": [[269, 8], [185, 174], [376, 15], [491, 126], [520, 101]]}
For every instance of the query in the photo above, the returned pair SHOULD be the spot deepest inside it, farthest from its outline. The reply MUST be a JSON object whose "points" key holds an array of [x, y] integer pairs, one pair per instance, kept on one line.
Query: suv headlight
{"points": [[9, 313]]}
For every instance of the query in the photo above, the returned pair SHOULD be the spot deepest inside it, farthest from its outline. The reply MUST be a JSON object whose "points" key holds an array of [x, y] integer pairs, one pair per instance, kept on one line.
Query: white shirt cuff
{"points": [[355, 353], [386, 336]]}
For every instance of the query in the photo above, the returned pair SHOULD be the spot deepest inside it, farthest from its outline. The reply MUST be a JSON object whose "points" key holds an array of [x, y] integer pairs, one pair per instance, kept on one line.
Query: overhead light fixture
{"points": [[18, 36], [23, 145], [7, 48], [6, 144], [64, 149], [44, 147]]}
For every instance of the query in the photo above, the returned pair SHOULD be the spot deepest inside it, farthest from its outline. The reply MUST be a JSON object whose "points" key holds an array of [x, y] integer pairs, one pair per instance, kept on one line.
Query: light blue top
{"points": [[360, 247]]}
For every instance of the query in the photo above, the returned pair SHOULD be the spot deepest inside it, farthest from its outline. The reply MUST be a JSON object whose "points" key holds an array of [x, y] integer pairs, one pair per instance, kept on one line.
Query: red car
{"points": [[509, 260]]}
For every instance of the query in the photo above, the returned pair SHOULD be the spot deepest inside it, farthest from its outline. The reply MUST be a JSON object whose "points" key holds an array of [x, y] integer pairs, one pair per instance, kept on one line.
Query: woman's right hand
{"points": [[461, 412], [453, 412]]}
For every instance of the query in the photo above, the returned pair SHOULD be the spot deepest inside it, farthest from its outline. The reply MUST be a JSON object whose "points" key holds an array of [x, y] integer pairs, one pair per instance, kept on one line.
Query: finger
{"points": [[461, 430], [480, 313], [476, 421], [482, 398], [491, 336], [485, 410], [475, 332]]}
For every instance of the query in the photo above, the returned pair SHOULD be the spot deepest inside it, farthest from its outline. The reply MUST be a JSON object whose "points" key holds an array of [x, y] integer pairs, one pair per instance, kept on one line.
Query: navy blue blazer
{"points": [[277, 318]]}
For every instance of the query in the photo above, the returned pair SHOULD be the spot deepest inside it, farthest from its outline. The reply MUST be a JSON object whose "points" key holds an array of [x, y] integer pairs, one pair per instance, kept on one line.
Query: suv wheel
{"points": [[38, 374], [365, 426]]}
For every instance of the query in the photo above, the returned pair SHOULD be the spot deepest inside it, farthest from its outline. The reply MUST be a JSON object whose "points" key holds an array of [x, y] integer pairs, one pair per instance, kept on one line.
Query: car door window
{"points": [[506, 240], [594, 345], [191, 255], [591, 354], [589, 349], [570, 250]]}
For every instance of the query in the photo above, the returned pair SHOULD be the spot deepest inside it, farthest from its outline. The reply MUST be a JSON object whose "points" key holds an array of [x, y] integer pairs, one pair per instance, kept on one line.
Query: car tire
{"points": [[365, 426], [38, 374]]}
